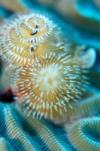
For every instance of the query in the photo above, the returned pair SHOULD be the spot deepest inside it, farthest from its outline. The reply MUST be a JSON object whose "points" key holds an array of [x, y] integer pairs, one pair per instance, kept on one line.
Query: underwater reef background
{"points": [[79, 21]]}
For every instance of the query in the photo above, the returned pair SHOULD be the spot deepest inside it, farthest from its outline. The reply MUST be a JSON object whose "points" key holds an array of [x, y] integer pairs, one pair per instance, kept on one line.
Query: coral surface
{"points": [[17, 134]]}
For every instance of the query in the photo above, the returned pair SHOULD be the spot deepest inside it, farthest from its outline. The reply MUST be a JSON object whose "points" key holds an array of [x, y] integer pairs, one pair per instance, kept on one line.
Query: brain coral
{"points": [[85, 135], [18, 134]]}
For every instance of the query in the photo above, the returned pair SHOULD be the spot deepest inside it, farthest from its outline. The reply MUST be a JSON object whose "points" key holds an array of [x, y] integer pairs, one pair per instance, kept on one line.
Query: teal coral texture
{"points": [[21, 134], [85, 135]]}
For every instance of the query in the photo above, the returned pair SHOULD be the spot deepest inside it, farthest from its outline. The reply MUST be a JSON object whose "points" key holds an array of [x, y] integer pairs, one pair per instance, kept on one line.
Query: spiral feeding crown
{"points": [[27, 36], [49, 87]]}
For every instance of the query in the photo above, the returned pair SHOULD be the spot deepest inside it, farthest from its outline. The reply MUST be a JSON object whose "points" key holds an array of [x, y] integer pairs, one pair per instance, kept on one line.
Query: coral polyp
{"points": [[50, 87], [26, 36]]}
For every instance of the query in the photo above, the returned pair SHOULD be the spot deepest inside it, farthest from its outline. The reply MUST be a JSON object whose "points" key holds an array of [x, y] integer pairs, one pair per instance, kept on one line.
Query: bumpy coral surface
{"points": [[85, 135], [18, 134], [50, 86], [27, 36]]}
